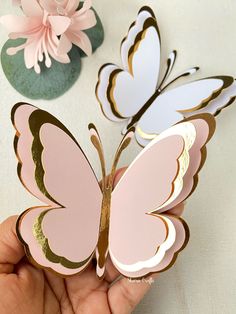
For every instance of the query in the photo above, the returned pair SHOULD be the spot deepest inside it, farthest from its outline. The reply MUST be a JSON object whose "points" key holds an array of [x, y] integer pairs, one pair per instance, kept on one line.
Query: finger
{"points": [[118, 175], [11, 250], [56, 285], [111, 272], [177, 210], [84, 284], [126, 293]]}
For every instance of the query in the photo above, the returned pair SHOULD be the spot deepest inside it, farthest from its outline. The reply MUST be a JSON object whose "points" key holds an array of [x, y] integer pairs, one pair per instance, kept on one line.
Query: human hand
{"points": [[27, 290]]}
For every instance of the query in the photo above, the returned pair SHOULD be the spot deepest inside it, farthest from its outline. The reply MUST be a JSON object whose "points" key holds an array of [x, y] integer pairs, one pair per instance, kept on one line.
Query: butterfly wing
{"points": [[53, 167], [122, 92], [205, 127], [138, 239], [206, 95], [142, 240], [38, 256], [136, 28], [226, 98]]}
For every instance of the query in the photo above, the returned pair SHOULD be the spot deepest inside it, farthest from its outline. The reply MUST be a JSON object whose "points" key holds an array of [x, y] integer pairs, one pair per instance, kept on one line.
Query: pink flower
{"points": [[41, 32], [16, 2], [79, 21]]}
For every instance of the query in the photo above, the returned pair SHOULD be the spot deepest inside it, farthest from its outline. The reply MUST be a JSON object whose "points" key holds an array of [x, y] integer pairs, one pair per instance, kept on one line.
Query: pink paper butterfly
{"points": [[132, 222]]}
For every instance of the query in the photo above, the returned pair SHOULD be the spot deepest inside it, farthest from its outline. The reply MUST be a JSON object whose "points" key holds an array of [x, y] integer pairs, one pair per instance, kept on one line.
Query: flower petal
{"points": [[49, 5], [19, 24], [72, 6], [53, 44], [59, 24], [86, 6], [16, 2], [81, 40], [31, 8], [62, 58], [84, 21], [30, 54], [65, 45]]}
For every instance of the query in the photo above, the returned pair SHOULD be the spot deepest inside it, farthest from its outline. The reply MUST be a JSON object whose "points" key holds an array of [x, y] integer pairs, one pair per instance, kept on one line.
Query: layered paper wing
{"points": [[206, 95], [226, 98], [149, 237], [52, 166], [136, 29], [122, 92], [153, 179], [205, 127]]}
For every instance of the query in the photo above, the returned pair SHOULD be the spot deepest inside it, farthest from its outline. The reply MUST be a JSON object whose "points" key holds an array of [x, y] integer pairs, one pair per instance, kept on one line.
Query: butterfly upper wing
{"points": [[172, 106], [129, 41], [54, 169], [205, 127], [101, 91], [122, 92], [23, 143], [140, 240]]}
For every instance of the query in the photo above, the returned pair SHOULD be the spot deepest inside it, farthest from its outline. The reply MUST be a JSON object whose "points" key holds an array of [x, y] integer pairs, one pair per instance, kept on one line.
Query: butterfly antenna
{"points": [[126, 127], [170, 64], [186, 73], [123, 145], [97, 143]]}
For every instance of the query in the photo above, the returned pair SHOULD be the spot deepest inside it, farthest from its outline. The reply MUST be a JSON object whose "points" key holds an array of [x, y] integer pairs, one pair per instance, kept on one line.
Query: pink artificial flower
{"points": [[16, 2], [79, 21], [40, 31]]}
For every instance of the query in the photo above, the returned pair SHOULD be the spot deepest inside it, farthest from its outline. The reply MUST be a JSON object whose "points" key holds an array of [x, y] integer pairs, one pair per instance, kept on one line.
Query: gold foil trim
{"points": [[44, 243], [36, 120], [150, 22]]}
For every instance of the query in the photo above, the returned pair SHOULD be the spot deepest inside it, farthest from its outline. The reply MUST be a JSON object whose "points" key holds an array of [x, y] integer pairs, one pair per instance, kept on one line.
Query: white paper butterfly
{"points": [[134, 92]]}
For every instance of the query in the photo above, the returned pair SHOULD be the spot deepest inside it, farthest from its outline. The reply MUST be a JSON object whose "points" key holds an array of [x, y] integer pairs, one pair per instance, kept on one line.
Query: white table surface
{"points": [[203, 31]]}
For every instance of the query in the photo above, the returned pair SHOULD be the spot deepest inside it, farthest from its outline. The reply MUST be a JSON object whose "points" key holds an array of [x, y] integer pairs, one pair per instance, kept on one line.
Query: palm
{"points": [[27, 290], [36, 291]]}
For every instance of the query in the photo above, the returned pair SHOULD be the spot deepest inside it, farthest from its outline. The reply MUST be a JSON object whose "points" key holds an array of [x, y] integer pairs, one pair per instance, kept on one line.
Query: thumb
{"points": [[118, 175], [11, 250]]}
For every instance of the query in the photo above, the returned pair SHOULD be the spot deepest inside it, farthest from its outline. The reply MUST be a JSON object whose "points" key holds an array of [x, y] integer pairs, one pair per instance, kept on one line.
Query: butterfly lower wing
{"points": [[122, 92], [138, 238], [226, 98], [62, 174], [172, 106], [154, 122], [181, 231], [41, 254]]}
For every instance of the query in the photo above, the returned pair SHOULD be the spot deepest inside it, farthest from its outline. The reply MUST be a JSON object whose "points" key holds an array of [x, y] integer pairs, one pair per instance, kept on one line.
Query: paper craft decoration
{"points": [[42, 58], [134, 93], [82, 220]]}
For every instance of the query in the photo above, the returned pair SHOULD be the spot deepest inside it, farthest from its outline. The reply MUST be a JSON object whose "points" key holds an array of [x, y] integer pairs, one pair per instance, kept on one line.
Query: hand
{"points": [[27, 290]]}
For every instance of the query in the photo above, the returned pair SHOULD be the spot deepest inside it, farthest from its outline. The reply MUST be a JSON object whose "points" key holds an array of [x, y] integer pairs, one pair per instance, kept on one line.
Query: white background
{"points": [[203, 32]]}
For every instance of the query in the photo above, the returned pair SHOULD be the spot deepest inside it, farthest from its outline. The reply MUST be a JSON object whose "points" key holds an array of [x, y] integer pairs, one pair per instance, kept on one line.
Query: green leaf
{"points": [[95, 34], [49, 84]]}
